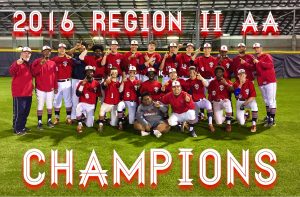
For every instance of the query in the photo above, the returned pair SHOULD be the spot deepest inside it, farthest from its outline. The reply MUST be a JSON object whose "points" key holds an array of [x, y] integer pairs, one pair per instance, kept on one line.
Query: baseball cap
{"points": [[173, 44], [241, 71], [172, 70], [89, 67], [241, 45], [134, 42], [26, 49], [223, 48], [46, 48], [175, 83], [256, 45], [114, 42], [207, 45], [62, 45], [190, 44], [151, 70], [132, 68]]}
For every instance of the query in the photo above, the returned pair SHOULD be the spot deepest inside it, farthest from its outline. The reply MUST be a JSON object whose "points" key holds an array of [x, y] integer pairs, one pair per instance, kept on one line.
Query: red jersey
{"points": [[21, 79], [184, 64], [265, 70], [170, 62], [153, 88], [130, 90], [91, 90], [226, 63], [96, 62], [248, 66], [131, 61], [247, 90], [45, 75], [178, 103], [168, 85], [206, 66], [156, 56], [112, 94], [63, 67], [113, 60], [218, 91], [196, 89]]}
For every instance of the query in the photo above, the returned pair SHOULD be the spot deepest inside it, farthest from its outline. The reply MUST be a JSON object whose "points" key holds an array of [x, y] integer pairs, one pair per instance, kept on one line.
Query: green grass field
{"points": [[283, 140]]}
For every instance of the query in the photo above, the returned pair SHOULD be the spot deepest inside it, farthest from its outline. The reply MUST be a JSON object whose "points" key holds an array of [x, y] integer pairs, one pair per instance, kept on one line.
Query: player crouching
{"points": [[245, 94], [150, 117], [129, 87], [219, 91], [111, 99], [183, 107], [87, 91]]}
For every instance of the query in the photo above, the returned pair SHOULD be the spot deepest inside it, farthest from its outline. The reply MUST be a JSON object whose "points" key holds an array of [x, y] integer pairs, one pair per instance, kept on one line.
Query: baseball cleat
{"points": [[26, 129], [211, 128], [39, 126], [50, 124], [20, 133], [228, 128], [56, 121], [79, 129], [68, 121], [120, 126], [100, 128], [266, 119], [144, 133], [193, 133], [247, 115], [253, 129]]}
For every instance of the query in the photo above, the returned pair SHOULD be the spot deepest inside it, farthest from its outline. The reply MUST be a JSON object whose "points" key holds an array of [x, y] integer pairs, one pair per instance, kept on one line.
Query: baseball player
{"points": [[224, 61], [87, 91], [63, 75], [152, 86], [266, 78], [150, 59], [245, 94], [185, 61], [195, 86], [129, 89], [169, 61], [112, 58], [243, 61], [150, 117], [111, 99], [167, 87], [21, 88], [44, 71], [131, 58], [219, 91], [183, 107]]}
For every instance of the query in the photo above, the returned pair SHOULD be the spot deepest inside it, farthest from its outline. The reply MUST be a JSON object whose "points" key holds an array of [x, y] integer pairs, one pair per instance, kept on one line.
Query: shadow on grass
{"points": [[130, 136]]}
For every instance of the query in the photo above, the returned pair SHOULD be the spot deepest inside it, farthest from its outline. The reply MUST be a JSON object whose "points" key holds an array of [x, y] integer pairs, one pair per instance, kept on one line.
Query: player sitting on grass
{"points": [[129, 88], [183, 107], [150, 117], [111, 99], [245, 94], [87, 91], [219, 91], [196, 84]]}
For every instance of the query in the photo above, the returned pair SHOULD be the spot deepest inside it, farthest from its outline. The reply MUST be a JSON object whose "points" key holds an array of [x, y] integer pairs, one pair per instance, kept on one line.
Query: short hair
{"points": [[97, 46], [153, 42], [113, 68], [145, 94]]}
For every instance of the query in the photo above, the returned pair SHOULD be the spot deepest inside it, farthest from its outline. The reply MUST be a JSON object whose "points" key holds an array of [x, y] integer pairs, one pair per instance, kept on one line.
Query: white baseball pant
{"points": [[218, 108], [75, 98], [44, 97], [131, 106], [269, 94], [240, 114], [113, 113], [202, 104], [176, 118], [88, 111], [64, 91]]}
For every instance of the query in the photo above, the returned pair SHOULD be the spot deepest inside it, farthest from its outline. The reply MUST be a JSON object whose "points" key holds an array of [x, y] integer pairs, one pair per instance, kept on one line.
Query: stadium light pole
{"points": [[26, 29]]}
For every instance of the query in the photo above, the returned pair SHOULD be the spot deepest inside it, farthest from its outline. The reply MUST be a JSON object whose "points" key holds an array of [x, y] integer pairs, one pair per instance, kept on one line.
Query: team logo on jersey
{"points": [[227, 65], [247, 91], [211, 64], [183, 66], [109, 65], [202, 69], [87, 96], [65, 63], [156, 89], [118, 61], [221, 87], [213, 93], [196, 86]]}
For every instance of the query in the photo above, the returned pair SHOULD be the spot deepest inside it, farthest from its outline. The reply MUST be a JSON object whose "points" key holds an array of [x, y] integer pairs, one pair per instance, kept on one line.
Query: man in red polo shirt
{"points": [[44, 71], [21, 88], [131, 58], [185, 60], [152, 86], [64, 65]]}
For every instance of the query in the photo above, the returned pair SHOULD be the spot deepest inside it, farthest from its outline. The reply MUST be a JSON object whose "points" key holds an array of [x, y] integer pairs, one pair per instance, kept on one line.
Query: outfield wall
{"points": [[286, 65]]}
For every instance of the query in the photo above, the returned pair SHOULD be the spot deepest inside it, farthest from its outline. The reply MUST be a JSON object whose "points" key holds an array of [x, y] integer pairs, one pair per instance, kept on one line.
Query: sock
{"points": [[210, 114], [49, 117], [228, 118], [268, 111], [39, 115], [191, 127], [40, 119], [79, 123], [254, 117], [57, 112], [100, 122], [121, 116], [69, 111], [272, 114]]}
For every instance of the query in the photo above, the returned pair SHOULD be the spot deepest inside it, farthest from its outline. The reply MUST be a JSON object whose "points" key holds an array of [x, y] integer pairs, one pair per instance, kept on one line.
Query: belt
{"points": [[199, 100], [63, 80], [98, 78], [241, 99]]}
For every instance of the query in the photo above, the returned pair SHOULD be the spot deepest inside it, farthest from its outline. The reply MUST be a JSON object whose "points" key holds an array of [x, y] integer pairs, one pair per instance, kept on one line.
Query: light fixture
{"points": [[172, 38]]}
